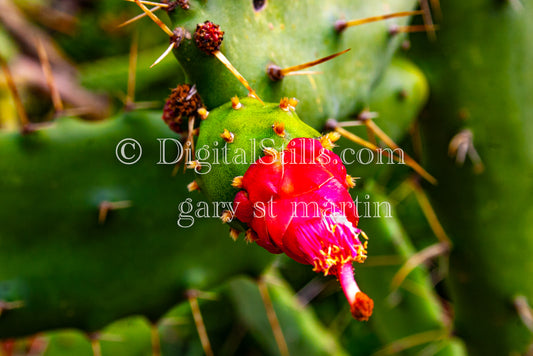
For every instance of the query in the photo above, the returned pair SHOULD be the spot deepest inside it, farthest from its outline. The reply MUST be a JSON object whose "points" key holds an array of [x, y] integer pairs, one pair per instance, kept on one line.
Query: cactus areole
{"points": [[294, 198]]}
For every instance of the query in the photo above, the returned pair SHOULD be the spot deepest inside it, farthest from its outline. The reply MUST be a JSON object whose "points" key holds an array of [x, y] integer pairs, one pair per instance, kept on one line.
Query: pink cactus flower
{"points": [[297, 202]]}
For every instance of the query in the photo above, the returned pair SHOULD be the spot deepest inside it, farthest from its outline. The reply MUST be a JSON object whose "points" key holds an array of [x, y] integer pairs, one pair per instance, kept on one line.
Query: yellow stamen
{"points": [[237, 182]]}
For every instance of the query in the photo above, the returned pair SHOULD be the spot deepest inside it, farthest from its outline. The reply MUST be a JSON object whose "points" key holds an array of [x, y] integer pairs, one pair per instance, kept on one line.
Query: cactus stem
{"points": [[107, 206], [49, 75], [138, 17], [222, 58], [156, 341], [371, 125], [341, 25], [275, 73], [25, 125], [155, 18], [272, 317], [150, 3], [234, 233], [395, 29], [199, 322], [235, 103], [279, 129], [463, 144], [226, 217], [237, 182], [227, 136], [417, 259], [524, 311]]}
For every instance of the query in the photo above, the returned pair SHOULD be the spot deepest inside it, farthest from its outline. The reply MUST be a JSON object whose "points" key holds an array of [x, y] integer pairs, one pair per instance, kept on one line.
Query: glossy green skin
{"points": [[481, 78], [252, 129], [289, 33], [71, 271]]}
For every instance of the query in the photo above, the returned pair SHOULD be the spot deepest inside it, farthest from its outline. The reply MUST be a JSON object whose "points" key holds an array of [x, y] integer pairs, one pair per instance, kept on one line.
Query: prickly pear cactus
{"points": [[275, 106]]}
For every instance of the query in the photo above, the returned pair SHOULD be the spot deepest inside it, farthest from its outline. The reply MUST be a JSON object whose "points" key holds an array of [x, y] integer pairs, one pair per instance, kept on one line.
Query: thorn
{"points": [[95, 344], [303, 72], [428, 212], [435, 4], [428, 20], [237, 182], [156, 341], [199, 322], [161, 57], [226, 217], [272, 317], [132, 71], [47, 70], [417, 259], [227, 136], [524, 311], [203, 113], [463, 144], [341, 25], [279, 129], [192, 186], [138, 17], [398, 346], [150, 3], [107, 206], [234, 234], [25, 125], [395, 29], [238, 75], [154, 18], [10, 305], [235, 103], [275, 73], [371, 125]]}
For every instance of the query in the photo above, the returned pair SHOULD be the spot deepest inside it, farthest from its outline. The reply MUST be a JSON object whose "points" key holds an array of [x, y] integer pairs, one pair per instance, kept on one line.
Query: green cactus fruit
{"points": [[481, 78], [65, 268], [289, 33], [234, 136]]}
